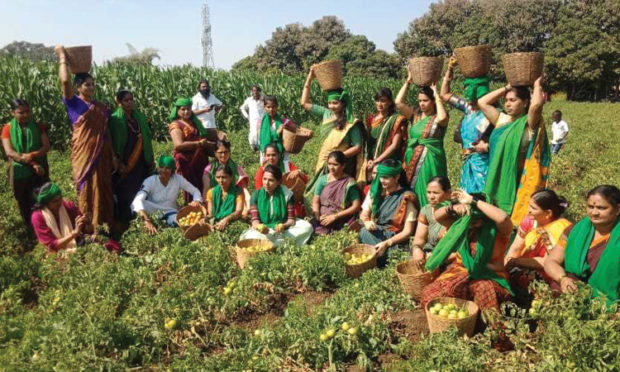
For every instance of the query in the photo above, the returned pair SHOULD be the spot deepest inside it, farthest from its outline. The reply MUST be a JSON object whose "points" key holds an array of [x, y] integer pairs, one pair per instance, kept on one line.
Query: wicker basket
{"points": [[522, 68], [243, 256], [425, 70], [184, 212], [294, 141], [197, 231], [79, 58], [329, 74], [437, 323], [474, 61], [412, 279], [296, 185], [357, 270]]}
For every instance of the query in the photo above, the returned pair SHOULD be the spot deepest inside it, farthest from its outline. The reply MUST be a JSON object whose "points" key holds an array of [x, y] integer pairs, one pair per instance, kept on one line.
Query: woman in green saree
{"points": [[225, 201], [425, 156], [589, 250], [340, 130], [519, 154]]}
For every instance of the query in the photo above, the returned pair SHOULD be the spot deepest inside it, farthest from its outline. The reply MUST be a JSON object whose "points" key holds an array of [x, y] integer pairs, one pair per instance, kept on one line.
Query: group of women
{"points": [[385, 177]]}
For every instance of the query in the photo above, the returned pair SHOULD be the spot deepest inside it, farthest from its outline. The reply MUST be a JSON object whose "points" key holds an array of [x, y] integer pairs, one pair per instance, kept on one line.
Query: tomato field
{"points": [[171, 304]]}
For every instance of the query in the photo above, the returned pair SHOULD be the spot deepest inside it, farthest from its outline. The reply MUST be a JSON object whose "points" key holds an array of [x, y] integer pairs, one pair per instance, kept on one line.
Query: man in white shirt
{"points": [[205, 105], [253, 109], [559, 128]]}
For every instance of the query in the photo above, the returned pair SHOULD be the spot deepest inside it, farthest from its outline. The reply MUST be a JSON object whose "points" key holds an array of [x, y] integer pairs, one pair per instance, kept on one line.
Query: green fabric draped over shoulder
{"points": [[118, 131], [226, 207], [268, 135], [605, 280], [376, 190], [185, 102], [457, 239], [272, 216], [233, 167], [345, 97], [32, 143]]}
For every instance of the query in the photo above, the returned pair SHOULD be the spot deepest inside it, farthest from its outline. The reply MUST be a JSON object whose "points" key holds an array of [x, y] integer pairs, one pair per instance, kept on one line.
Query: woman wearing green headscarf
{"points": [[474, 130], [133, 153], [389, 211], [190, 145], [340, 131], [26, 145], [478, 234], [425, 156]]}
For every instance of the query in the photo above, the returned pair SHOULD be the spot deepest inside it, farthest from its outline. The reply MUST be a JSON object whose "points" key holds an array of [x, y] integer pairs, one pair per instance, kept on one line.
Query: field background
{"points": [[98, 311]]}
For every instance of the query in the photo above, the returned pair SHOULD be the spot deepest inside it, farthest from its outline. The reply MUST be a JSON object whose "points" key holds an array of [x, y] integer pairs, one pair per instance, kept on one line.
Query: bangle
{"points": [[560, 279], [474, 202], [506, 89]]}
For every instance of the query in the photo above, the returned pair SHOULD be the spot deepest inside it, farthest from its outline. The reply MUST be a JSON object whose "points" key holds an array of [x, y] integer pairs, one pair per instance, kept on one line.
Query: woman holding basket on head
{"points": [[425, 156], [339, 131]]}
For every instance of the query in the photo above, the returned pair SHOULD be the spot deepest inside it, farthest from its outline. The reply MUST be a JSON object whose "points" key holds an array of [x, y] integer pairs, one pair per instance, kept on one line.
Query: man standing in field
{"points": [[205, 105], [253, 109], [559, 129]]}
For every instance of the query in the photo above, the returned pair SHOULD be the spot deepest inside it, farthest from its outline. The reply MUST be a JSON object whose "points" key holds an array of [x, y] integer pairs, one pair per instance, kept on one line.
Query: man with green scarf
{"points": [[26, 144]]}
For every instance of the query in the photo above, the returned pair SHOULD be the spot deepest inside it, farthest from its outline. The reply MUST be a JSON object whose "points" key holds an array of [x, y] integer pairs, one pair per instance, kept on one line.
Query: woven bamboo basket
{"points": [[293, 142], [79, 58], [329, 74], [357, 270], [437, 323], [243, 255], [197, 231], [412, 279], [474, 61], [187, 210], [296, 185], [425, 70], [522, 69]]}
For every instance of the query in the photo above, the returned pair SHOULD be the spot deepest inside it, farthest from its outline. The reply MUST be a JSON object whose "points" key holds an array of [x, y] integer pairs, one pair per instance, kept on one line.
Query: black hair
{"points": [[221, 142], [121, 94], [444, 182], [271, 99], [387, 94], [427, 91], [548, 200], [81, 78], [256, 86], [16, 102], [275, 171], [557, 112], [523, 93], [274, 147], [205, 81], [338, 156], [609, 192], [224, 168]]}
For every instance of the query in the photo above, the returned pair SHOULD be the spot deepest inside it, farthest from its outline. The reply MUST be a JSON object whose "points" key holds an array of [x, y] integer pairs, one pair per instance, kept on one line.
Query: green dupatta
{"points": [[456, 239], [215, 165], [384, 133], [226, 207], [267, 135], [118, 131], [605, 280], [32, 143], [266, 215]]}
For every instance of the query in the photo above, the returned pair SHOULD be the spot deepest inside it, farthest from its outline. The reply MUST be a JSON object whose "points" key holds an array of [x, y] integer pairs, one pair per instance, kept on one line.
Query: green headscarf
{"points": [[48, 193], [476, 87], [267, 135], [31, 143], [375, 187], [226, 207], [166, 161], [271, 216], [182, 102], [344, 97], [118, 130]]}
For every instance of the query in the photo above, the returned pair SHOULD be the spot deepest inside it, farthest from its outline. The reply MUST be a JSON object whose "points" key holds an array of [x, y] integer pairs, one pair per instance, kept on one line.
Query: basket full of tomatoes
{"points": [[444, 312]]}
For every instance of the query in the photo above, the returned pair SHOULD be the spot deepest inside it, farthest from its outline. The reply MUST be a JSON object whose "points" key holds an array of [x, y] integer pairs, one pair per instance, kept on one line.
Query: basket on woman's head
{"points": [[425, 70], [522, 69], [474, 61], [329, 75], [79, 58]]}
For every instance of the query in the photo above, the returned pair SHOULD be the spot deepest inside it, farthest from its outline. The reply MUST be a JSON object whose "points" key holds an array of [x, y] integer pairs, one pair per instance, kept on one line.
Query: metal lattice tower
{"points": [[207, 44]]}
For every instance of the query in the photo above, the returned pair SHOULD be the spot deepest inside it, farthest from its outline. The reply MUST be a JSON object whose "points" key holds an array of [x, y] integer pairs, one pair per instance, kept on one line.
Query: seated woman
{"points": [[389, 211], [159, 193], [479, 233], [539, 232], [58, 223], [271, 210], [225, 201], [271, 127], [589, 251], [337, 198], [429, 231], [291, 174], [240, 178]]}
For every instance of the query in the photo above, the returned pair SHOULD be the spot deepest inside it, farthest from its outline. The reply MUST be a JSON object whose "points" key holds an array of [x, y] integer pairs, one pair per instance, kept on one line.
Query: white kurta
{"points": [[200, 103], [253, 110], [154, 196]]}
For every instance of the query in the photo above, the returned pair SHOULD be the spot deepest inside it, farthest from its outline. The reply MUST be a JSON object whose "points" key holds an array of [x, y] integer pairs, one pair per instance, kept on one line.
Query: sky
{"points": [[175, 27]]}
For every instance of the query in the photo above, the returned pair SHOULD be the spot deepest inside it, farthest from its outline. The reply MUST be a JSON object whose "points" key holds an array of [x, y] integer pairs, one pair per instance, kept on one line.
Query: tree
{"points": [[32, 51], [360, 57], [145, 57]]}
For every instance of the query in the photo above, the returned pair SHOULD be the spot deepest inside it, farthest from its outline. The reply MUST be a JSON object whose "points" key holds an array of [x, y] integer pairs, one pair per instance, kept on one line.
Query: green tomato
{"points": [[352, 331], [345, 326], [462, 314], [443, 312], [452, 316], [330, 332], [323, 337], [257, 332]]}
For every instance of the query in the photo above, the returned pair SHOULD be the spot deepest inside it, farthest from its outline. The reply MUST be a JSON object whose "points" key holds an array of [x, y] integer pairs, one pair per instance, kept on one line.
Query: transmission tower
{"points": [[207, 44]]}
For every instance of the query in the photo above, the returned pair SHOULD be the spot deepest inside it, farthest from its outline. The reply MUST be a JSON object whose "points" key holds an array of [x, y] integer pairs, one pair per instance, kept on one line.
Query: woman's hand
{"points": [[60, 52], [462, 196], [567, 284], [150, 227], [327, 219], [419, 258], [280, 228], [221, 225], [461, 209], [311, 74], [434, 89], [195, 203], [294, 174], [409, 76], [260, 227], [370, 225], [382, 247], [369, 164], [39, 170], [452, 62], [480, 147]]}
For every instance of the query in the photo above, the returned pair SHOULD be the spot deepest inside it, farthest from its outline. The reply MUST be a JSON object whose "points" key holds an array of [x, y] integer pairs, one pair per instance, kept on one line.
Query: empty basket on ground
{"points": [[329, 74], [438, 323], [425, 70], [522, 68], [244, 254], [296, 185], [197, 231], [474, 61], [357, 270], [293, 142], [412, 279], [183, 212], [79, 58]]}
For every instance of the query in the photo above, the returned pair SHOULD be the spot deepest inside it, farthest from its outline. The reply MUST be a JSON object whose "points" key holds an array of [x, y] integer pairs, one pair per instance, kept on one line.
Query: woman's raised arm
{"points": [[401, 105], [63, 72], [536, 105], [305, 93], [486, 102]]}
